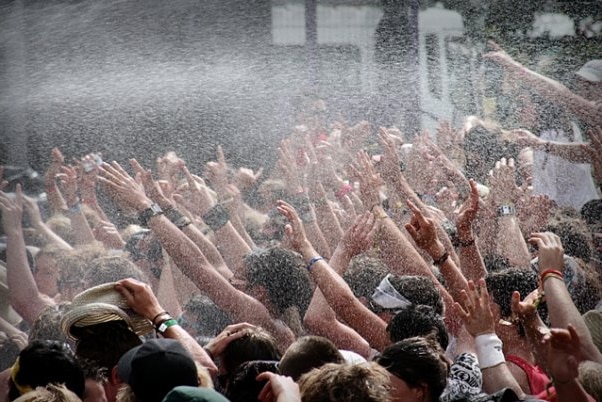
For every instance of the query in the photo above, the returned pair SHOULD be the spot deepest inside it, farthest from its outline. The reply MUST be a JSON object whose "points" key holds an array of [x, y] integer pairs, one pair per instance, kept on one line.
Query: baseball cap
{"points": [[156, 367], [591, 71]]}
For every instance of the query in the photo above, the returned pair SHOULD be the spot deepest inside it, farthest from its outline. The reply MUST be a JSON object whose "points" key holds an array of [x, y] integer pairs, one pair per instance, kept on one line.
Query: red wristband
{"points": [[551, 272]]}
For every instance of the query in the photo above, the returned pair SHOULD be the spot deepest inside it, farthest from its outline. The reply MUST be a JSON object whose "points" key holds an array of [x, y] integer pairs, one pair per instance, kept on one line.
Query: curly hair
{"points": [[281, 272], [364, 274]]}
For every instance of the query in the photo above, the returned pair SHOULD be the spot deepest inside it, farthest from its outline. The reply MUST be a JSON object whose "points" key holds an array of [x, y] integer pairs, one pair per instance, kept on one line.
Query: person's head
{"points": [[154, 368], [73, 267], [49, 393], [417, 369], [61, 225], [418, 320], [279, 275], [589, 80], [364, 274], [502, 284], [203, 319], [47, 326], [257, 344], [104, 344], [46, 269], [574, 234], [244, 386], [111, 269], [396, 292], [307, 353], [483, 147], [590, 377], [42, 363], [367, 382]]}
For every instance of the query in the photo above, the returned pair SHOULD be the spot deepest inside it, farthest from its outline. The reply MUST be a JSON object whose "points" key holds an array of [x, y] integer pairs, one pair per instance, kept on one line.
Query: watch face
{"points": [[156, 209]]}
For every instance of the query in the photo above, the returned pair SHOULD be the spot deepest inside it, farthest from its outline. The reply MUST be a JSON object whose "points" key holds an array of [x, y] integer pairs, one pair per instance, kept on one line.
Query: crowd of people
{"points": [[461, 265]]}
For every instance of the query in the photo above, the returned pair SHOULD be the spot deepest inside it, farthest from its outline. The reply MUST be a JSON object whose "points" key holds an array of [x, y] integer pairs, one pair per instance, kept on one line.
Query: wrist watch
{"points": [[145, 215], [505, 210]]}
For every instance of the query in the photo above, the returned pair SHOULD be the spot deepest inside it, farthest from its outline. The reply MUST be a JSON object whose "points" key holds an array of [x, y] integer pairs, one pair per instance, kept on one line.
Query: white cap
{"points": [[591, 71]]}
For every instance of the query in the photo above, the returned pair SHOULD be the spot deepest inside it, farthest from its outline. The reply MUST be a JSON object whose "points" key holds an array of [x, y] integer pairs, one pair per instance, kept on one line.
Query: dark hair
{"points": [[418, 290], [9, 350], [307, 353], [418, 320], [364, 274], [591, 212], [502, 284], [205, 317], [417, 361], [495, 262], [282, 273], [104, 344], [48, 362], [574, 234], [244, 386], [47, 325], [257, 344], [485, 143]]}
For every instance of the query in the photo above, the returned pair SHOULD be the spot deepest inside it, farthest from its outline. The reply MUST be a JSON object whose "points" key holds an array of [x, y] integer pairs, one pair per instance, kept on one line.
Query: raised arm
{"points": [[320, 318], [79, 223], [55, 198], [552, 90], [336, 291], [561, 309], [33, 210], [189, 258], [23, 291], [471, 262]]}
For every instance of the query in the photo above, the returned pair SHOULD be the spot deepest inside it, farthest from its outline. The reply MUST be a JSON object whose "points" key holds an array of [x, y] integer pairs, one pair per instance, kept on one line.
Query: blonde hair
{"points": [[590, 377], [49, 393], [365, 382]]}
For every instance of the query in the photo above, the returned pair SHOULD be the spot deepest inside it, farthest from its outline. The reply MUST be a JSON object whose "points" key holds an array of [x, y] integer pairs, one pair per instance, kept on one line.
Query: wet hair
{"points": [[206, 317], [47, 362], [244, 386], [73, 266], [418, 290], [364, 274], [307, 353], [47, 325], [502, 284], [257, 344], [417, 361], [591, 212], [418, 320], [103, 344], [111, 269], [282, 273], [574, 234], [9, 350], [366, 382]]}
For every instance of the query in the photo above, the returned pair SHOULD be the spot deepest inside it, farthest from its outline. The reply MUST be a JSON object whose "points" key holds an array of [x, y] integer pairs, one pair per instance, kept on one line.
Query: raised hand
{"points": [[123, 188], [468, 212], [564, 349], [278, 388], [151, 187], [68, 183], [245, 178], [551, 252], [107, 233], [527, 308], [369, 180], [194, 197], [360, 236], [294, 229], [140, 297], [217, 172], [476, 309], [57, 160], [288, 166], [218, 344], [12, 210], [502, 183], [423, 232]]}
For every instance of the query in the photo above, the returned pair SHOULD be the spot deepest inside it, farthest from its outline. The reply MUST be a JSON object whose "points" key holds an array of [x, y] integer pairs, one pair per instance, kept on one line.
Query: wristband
{"points": [[176, 217], [313, 261], [145, 216], [551, 273], [216, 217], [164, 325], [159, 315], [505, 210], [466, 243], [441, 259], [489, 350], [75, 208]]}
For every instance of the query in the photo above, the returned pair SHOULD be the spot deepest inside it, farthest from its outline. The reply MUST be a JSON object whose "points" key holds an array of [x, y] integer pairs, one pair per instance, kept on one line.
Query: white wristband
{"points": [[489, 350]]}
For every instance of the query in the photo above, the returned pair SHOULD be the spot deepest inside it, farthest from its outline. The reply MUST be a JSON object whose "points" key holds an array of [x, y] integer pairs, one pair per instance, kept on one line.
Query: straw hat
{"points": [[102, 304]]}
